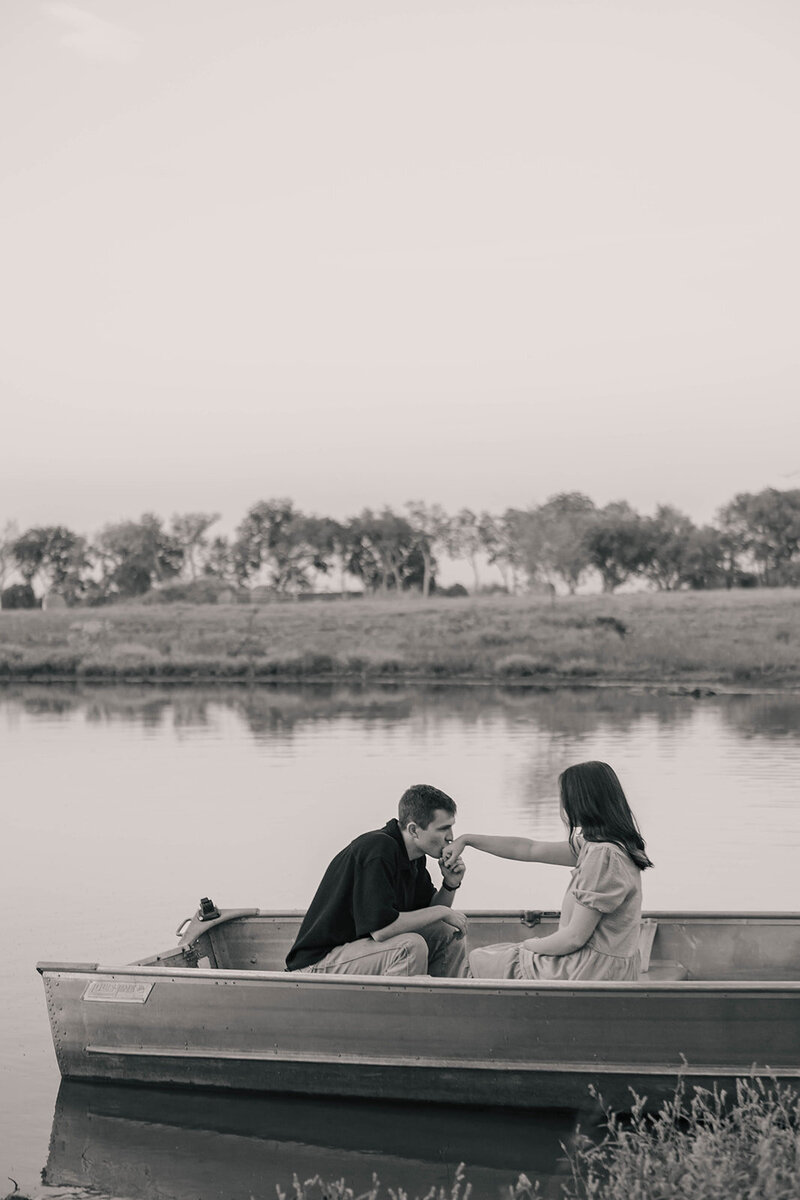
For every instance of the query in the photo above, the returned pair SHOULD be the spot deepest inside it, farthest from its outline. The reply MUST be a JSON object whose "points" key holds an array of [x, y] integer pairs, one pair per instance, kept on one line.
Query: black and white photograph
{"points": [[400, 599]]}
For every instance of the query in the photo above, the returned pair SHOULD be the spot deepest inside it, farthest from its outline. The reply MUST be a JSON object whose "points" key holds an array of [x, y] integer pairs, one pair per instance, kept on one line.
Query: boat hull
{"points": [[455, 1041]]}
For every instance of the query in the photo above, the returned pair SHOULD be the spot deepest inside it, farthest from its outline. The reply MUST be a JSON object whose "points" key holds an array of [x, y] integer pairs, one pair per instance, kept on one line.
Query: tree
{"points": [[766, 527], [29, 552], [464, 540], [321, 537], [384, 551], [553, 539], [706, 560], [189, 531], [274, 538], [431, 526], [617, 543], [8, 537], [218, 560], [18, 595], [502, 538], [263, 527], [337, 537], [136, 555], [55, 557], [68, 564], [670, 532]]}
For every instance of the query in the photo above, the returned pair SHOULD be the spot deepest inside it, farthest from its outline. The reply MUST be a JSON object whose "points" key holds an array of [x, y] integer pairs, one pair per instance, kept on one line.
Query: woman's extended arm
{"points": [[582, 925], [523, 849]]}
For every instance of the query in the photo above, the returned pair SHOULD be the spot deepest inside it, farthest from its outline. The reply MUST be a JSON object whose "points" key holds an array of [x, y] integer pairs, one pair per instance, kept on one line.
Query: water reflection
{"points": [[143, 1143], [584, 711], [773, 717], [269, 709]]}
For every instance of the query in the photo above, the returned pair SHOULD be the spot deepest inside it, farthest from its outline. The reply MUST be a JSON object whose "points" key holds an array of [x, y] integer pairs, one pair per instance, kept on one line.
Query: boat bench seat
{"points": [[656, 968], [663, 970]]}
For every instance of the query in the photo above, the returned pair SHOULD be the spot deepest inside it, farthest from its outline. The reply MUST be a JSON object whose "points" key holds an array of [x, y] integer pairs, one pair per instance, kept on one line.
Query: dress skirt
{"points": [[512, 961]]}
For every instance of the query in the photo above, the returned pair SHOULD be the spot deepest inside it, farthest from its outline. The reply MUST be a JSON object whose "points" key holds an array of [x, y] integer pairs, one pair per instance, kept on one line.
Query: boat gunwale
{"points": [[670, 915], [389, 983]]}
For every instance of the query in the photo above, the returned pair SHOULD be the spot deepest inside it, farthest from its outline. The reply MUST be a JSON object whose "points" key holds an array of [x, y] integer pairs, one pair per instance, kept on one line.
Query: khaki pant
{"points": [[437, 950]]}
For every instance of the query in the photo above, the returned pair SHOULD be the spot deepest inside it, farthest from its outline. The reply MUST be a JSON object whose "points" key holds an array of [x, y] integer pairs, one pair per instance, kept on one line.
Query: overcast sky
{"points": [[358, 252]]}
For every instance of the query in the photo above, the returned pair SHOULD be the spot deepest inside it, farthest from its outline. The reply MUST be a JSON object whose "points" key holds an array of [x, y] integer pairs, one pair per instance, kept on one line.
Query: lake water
{"points": [[122, 806]]}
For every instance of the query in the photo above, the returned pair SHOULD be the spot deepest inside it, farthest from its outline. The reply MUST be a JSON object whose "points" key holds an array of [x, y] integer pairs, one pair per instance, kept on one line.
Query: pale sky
{"points": [[358, 252]]}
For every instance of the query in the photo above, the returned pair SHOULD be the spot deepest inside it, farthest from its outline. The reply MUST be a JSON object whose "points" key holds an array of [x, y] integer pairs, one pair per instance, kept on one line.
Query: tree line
{"points": [[557, 545]]}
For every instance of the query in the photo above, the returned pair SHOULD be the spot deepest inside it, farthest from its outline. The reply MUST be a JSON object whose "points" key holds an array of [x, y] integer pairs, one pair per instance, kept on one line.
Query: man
{"points": [[377, 912]]}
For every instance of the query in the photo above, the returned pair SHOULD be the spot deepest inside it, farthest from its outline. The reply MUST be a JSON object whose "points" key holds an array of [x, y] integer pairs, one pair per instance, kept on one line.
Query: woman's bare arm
{"points": [[522, 849], [571, 937]]}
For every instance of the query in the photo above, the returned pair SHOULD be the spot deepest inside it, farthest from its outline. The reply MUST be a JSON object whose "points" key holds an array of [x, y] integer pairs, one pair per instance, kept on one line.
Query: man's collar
{"points": [[393, 829]]}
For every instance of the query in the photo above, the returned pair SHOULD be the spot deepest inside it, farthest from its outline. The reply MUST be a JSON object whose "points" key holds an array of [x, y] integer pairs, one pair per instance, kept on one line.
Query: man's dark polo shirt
{"points": [[366, 886]]}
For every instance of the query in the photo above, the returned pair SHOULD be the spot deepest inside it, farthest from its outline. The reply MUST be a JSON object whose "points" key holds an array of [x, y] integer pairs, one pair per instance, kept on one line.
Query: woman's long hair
{"points": [[593, 800]]}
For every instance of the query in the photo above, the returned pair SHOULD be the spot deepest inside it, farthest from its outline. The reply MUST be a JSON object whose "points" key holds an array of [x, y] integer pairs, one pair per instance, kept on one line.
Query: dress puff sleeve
{"points": [[600, 880]]}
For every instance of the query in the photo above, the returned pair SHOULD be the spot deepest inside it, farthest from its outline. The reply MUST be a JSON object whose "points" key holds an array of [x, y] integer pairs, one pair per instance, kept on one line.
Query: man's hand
{"points": [[452, 870], [451, 916]]}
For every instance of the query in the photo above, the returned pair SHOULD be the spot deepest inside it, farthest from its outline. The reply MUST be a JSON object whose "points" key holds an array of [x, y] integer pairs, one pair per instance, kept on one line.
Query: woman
{"points": [[598, 934]]}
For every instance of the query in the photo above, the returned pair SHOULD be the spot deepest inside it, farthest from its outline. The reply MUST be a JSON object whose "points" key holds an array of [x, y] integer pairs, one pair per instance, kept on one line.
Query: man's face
{"points": [[433, 839]]}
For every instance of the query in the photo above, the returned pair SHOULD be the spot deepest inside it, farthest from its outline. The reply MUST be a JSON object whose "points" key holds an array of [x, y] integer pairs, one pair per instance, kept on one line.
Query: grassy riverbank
{"points": [[706, 638]]}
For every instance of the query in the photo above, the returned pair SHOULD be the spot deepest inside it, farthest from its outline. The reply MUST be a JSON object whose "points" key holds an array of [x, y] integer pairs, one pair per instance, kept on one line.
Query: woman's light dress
{"points": [[606, 879]]}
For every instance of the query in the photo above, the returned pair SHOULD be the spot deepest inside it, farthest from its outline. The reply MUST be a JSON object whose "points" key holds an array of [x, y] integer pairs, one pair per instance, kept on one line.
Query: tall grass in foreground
{"points": [[707, 1146]]}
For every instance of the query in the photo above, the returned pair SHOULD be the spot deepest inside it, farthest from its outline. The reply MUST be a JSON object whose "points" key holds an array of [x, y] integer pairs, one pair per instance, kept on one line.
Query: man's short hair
{"points": [[419, 803]]}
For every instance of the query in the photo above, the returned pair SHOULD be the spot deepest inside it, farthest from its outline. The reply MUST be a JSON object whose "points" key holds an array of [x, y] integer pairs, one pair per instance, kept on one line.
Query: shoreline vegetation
{"points": [[703, 1146], [733, 640]]}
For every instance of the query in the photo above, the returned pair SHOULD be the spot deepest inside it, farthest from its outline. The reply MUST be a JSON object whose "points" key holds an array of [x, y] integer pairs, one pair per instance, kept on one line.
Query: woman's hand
{"points": [[452, 853], [568, 938]]}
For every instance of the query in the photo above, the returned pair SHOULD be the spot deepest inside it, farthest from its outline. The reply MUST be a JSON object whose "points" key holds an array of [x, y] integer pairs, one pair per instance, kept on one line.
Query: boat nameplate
{"points": [[119, 991]]}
